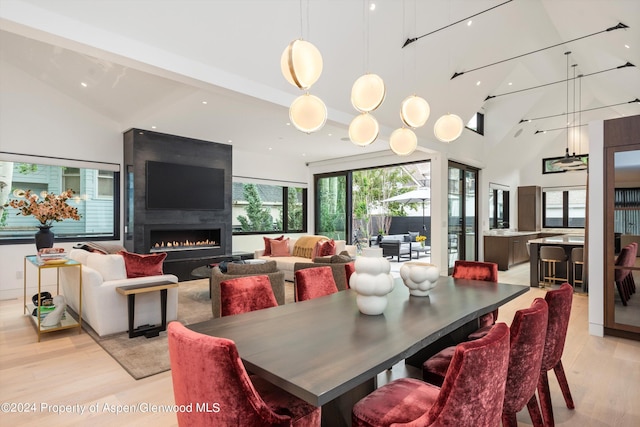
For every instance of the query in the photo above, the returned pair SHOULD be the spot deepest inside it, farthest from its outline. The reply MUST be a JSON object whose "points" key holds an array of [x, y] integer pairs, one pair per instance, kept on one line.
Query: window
{"points": [[105, 184], [96, 198], [261, 208], [476, 123], [565, 208]]}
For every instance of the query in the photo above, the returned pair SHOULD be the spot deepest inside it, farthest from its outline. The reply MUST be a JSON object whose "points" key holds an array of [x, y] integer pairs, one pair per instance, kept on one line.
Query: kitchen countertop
{"points": [[509, 233], [565, 239]]}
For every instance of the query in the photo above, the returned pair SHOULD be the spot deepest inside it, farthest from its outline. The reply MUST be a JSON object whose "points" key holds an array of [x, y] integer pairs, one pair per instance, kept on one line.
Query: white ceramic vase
{"points": [[372, 281], [419, 277]]}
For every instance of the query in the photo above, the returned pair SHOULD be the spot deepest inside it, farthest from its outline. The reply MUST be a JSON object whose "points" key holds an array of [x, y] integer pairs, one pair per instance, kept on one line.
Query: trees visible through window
{"points": [[261, 208]]}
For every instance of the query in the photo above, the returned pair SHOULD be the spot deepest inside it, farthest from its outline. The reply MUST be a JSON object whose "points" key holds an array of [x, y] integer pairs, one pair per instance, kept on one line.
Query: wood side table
{"points": [[131, 291]]}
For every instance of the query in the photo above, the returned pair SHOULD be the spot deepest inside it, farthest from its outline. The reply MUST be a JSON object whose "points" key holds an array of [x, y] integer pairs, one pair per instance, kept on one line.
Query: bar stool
{"points": [[549, 257], [577, 258]]}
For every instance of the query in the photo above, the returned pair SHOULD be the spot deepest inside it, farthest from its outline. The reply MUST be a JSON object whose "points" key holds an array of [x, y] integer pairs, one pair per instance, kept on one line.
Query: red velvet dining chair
{"points": [[621, 275], [314, 282], [349, 269], [559, 302], [478, 270], [208, 370], [472, 393], [528, 335], [246, 294]]}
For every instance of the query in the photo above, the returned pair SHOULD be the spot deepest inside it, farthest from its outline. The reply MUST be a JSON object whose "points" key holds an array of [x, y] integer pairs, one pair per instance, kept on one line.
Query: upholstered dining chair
{"points": [[472, 393], [313, 283], [246, 294], [349, 268], [478, 270], [559, 302], [621, 275], [528, 334], [208, 370]]}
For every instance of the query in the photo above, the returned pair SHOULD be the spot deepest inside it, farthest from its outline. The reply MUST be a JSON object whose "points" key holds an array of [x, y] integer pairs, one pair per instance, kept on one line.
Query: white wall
{"points": [[596, 259], [36, 119]]}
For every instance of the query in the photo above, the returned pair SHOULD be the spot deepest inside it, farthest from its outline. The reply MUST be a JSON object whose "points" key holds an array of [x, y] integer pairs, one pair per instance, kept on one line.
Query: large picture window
{"points": [[564, 208], [95, 196], [264, 208]]}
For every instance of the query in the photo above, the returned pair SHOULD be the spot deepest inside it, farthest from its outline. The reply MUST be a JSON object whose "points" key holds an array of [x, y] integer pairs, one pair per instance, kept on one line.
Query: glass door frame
{"points": [[347, 202], [461, 235]]}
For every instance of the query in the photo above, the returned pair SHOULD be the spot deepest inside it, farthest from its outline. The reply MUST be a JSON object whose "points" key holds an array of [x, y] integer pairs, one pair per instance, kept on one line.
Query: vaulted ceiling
{"points": [[152, 63]]}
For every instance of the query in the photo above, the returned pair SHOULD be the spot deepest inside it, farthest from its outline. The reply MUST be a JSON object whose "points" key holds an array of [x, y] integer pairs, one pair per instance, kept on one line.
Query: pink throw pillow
{"points": [[143, 265], [267, 244], [280, 247], [327, 248]]}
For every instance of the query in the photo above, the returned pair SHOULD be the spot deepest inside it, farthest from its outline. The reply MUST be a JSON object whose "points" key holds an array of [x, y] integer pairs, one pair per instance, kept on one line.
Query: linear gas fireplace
{"points": [[183, 240]]}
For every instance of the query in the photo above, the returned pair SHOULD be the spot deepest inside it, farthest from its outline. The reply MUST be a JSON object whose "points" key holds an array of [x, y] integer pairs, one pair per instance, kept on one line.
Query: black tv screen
{"points": [[175, 186]]}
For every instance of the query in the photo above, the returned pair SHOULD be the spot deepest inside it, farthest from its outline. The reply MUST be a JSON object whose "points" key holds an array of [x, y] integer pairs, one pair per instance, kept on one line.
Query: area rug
{"points": [[142, 357]]}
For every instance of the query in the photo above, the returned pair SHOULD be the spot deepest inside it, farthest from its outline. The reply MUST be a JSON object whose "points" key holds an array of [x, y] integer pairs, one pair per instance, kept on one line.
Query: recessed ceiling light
{"points": [[510, 83], [270, 148], [288, 123], [372, 7], [329, 134], [204, 102], [469, 22], [153, 127], [529, 121], [229, 141], [83, 84], [478, 83], [304, 154], [627, 46]]}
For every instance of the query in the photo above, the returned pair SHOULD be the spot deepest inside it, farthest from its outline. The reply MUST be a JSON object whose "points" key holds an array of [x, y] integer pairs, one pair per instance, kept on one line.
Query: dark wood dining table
{"points": [[327, 353]]}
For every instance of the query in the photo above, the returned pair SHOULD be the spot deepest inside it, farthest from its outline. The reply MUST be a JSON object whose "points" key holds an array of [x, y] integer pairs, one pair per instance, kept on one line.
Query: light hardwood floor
{"points": [[67, 368]]}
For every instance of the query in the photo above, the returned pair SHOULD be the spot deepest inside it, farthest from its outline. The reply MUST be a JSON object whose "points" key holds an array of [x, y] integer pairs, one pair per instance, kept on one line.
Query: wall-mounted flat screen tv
{"points": [[176, 186]]}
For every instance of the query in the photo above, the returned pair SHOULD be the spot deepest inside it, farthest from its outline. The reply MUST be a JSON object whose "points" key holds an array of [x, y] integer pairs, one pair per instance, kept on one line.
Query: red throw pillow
{"points": [[143, 265], [267, 244], [327, 248], [280, 247]]}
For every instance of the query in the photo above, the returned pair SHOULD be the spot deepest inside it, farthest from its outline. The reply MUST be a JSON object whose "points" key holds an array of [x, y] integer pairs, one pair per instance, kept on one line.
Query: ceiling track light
{"points": [[628, 64], [414, 39], [633, 101], [615, 27]]}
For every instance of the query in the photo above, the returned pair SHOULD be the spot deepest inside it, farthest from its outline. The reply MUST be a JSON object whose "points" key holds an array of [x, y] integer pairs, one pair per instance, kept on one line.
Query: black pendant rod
{"points": [[628, 64], [562, 128], [582, 111], [411, 40], [616, 27]]}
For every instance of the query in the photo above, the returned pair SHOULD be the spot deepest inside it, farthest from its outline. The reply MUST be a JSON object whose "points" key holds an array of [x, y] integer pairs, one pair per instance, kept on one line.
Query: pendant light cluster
{"points": [[301, 65]]}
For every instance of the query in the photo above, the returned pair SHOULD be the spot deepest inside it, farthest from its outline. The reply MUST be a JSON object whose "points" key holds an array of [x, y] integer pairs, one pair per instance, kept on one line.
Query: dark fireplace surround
{"points": [[191, 238]]}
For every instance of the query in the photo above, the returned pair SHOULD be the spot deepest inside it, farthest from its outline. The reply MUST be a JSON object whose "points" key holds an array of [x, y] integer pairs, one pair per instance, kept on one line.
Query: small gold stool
{"points": [[550, 256], [577, 258]]}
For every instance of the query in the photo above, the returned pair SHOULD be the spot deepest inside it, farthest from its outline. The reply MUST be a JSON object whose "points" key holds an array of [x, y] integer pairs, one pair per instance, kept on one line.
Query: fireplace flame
{"points": [[187, 244]]}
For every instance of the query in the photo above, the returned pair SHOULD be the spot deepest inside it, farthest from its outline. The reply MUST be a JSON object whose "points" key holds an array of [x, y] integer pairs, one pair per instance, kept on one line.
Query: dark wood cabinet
{"points": [[507, 251], [529, 208]]}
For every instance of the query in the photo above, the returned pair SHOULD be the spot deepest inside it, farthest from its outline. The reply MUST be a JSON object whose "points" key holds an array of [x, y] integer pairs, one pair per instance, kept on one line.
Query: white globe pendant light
{"points": [[308, 113], [363, 129], [301, 64], [403, 141], [448, 128], [368, 93], [414, 111]]}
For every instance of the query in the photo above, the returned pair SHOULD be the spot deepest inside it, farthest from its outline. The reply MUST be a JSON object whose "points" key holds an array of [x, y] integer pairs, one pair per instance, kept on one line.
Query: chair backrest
{"points": [[528, 334], [349, 269], [208, 369], [577, 255], [246, 294], [552, 253], [314, 282], [475, 270], [472, 393], [625, 259], [559, 302]]}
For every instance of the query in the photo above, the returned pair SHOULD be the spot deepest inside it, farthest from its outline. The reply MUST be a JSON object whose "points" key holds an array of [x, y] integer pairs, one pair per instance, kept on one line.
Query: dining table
{"points": [[327, 353]]}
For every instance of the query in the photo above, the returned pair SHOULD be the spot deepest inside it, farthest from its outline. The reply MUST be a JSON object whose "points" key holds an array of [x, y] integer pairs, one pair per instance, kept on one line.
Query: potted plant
{"points": [[46, 208]]}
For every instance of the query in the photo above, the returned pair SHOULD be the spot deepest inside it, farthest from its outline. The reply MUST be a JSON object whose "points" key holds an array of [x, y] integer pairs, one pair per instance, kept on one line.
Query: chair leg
{"points": [[509, 420], [534, 411], [621, 292], [564, 385], [545, 399]]}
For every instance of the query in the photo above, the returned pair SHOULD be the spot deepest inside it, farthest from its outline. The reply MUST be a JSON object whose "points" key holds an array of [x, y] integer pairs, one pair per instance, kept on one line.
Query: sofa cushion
{"points": [[138, 265], [413, 235], [267, 267], [326, 248], [267, 244], [305, 246], [280, 248], [79, 255], [110, 267], [340, 259]]}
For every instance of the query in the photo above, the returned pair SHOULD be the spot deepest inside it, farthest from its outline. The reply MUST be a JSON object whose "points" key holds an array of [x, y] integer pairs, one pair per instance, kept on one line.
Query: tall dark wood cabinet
{"points": [[529, 208]]}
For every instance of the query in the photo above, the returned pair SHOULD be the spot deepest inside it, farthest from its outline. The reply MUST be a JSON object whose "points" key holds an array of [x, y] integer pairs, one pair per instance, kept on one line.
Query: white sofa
{"points": [[104, 309], [286, 264]]}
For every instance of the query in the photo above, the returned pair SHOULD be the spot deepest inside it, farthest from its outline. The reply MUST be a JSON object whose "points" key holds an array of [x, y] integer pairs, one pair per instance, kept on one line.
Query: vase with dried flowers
{"points": [[46, 208]]}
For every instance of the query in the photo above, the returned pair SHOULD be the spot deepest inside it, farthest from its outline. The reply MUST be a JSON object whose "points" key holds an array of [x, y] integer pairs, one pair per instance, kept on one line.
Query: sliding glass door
{"points": [[462, 206], [332, 218]]}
